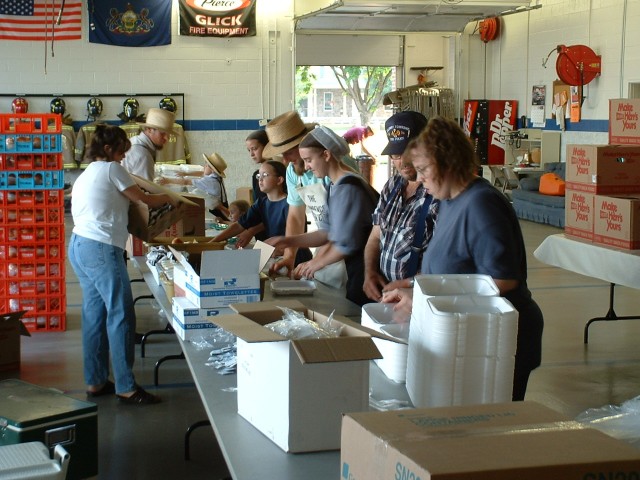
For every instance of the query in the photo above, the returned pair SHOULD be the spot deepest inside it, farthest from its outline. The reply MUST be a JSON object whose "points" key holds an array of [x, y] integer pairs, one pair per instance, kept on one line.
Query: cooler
{"points": [[29, 413], [30, 461]]}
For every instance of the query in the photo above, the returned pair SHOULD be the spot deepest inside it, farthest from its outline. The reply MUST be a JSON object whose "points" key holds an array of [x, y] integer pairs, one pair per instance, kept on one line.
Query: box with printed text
{"points": [[624, 121], [189, 321], [501, 441], [617, 221], [295, 390]]}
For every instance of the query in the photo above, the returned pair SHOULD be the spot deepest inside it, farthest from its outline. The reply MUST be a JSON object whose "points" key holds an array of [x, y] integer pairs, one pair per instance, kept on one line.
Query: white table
{"points": [[616, 266], [248, 453]]}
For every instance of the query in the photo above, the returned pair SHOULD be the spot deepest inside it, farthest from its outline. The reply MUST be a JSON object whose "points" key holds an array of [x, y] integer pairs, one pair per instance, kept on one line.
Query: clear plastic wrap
{"points": [[619, 421], [294, 326], [223, 352]]}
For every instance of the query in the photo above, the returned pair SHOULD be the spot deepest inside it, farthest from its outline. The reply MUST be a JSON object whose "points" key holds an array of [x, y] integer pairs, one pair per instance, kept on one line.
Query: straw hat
{"points": [[216, 162], [284, 132], [159, 119]]}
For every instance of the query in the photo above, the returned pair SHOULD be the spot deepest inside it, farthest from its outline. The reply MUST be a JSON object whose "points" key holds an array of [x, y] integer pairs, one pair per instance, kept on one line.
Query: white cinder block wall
{"points": [[511, 65], [231, 84]]}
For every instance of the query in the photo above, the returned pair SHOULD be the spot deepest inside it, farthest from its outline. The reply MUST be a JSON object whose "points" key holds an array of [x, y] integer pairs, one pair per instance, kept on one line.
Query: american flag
{"points": [[37, 20]]}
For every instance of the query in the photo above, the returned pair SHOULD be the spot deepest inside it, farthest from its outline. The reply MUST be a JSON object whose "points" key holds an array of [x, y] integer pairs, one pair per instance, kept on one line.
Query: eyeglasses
{"points": [[265, 175]]}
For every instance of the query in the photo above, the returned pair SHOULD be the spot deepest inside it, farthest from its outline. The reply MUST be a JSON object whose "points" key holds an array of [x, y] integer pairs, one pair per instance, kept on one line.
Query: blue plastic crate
{"points": [[31, 143], [32, 180]]}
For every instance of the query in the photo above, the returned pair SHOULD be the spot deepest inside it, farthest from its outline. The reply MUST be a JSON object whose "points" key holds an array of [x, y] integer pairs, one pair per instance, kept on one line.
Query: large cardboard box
{"points": [[224, 277], [11, 329], [144, 223], [624, 121], [579, 214], [617, 221], [603, 169], [295, 391], [504, 441], [189, 321]]}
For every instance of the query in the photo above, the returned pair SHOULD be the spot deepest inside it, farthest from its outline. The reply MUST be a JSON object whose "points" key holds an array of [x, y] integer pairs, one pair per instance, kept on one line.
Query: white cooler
{"points": [[31, 461]]}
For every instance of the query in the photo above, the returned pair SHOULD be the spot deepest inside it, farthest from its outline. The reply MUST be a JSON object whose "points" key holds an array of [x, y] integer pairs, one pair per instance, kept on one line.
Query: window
{"points": [[328, 101]]}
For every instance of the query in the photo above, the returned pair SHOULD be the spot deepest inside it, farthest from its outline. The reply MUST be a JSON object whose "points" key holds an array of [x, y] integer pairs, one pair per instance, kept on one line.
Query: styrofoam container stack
{"points": [[462, 342], [381, 318]]}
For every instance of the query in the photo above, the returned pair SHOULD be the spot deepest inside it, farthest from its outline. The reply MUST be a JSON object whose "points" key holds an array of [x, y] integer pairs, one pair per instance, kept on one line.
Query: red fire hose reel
{"points": [[577, 65]]}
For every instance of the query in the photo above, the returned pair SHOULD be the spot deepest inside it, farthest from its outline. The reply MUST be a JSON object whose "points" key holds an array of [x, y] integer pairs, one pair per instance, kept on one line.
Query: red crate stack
{"points": [[32, 239]]}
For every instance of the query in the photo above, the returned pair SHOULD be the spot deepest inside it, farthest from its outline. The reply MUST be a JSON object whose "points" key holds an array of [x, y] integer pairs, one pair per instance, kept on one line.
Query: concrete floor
{"points": [[147, 443]]}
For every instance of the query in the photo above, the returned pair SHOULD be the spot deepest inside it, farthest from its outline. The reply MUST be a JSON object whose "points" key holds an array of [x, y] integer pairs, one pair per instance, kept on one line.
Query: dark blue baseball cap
{"points": [[400, 129]]}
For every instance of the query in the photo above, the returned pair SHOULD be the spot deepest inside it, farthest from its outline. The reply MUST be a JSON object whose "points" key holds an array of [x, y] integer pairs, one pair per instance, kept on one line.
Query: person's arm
{"points": [[244, 238], [231, 231], [324, 257], [154, 200], [305, 240], [374, 281]]}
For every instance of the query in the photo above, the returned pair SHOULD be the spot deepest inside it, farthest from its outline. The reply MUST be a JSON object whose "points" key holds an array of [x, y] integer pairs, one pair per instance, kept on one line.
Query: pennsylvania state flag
{"points": [[130, 23]]}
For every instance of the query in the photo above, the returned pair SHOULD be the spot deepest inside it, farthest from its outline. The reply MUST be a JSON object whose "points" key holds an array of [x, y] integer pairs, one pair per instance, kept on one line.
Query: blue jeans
{"points": [[108, 315]]}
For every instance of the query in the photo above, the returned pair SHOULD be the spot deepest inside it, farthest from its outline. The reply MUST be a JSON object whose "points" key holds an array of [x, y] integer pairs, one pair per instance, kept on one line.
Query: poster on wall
{"points": [[130, 23], [538, 97], [209, 18]]}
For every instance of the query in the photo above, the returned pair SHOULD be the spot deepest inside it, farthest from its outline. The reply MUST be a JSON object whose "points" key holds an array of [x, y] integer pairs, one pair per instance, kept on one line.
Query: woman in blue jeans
{"points": [[100, 206]]}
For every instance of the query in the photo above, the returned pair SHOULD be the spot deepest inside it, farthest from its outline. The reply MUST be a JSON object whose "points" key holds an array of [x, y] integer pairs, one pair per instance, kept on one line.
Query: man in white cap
{"points": [[141, 157]]}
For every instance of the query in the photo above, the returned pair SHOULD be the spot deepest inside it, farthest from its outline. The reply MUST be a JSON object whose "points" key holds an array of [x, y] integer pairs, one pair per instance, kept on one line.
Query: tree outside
{"points": [[342, 97]]}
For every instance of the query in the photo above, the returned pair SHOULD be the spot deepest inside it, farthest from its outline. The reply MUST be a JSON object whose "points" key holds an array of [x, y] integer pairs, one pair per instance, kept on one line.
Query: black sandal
{"points": [[107, 389], [140, 397]]}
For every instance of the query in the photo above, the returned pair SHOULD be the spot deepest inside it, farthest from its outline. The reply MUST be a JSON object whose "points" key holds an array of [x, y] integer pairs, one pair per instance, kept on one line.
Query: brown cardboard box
{"points": [[504, 441], [624, 121], [11, 329], [191, 221], [579, 214], [140, 213], [295, 391], [617, 221], [245, 193], [603, 169]]}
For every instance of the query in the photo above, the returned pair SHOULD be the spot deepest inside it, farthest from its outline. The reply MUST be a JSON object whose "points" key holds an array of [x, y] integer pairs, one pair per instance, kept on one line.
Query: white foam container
{"points": [[381, 318], [461, 351]]}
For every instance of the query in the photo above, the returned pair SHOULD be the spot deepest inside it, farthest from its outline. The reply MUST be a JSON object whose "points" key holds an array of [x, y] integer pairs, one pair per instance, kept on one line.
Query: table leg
{"points": [[610, 315], [143, 342], [161, 361], [187, 436]]}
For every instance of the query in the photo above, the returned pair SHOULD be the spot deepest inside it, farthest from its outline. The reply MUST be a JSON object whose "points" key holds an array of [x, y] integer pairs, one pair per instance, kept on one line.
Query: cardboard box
{"points": [[140, 213], [191, 221], [295, 391], [224, 277], [624, 121], [617, 221], [245, 193], [189, 321], [11, 329], [504, 441], [603, 169], [579, 214]]}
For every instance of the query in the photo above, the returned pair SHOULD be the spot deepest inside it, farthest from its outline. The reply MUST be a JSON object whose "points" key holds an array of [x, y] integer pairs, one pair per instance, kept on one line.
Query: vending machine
{"points": [[488, 123]]}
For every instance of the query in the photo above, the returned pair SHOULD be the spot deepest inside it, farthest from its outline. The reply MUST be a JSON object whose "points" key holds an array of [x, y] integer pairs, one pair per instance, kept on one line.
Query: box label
{"points": [[624, 122]]}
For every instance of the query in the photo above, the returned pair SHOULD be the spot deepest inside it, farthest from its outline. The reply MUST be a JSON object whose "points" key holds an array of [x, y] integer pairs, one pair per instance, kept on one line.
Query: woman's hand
{"points": [[244, 239]]}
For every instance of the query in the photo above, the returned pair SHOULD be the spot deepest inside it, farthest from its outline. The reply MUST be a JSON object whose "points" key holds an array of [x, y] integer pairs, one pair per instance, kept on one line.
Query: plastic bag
{"points": [[619, 421], [294, 326]]}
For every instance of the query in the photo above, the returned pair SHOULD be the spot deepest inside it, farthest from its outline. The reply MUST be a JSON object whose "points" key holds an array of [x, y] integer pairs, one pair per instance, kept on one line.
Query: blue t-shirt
{"points": [[478, 232], [272, 214]]}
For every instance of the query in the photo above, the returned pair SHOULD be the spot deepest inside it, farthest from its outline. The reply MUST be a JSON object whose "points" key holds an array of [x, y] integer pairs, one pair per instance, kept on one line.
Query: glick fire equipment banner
{"points": [[218, 18]]}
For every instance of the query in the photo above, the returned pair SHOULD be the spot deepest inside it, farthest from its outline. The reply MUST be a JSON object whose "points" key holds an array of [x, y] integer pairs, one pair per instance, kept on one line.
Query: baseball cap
{"points": [[400, 129]]}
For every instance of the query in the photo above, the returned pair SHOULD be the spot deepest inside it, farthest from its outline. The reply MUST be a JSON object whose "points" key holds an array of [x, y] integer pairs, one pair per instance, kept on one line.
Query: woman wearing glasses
{"points": [[270, 211]]}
